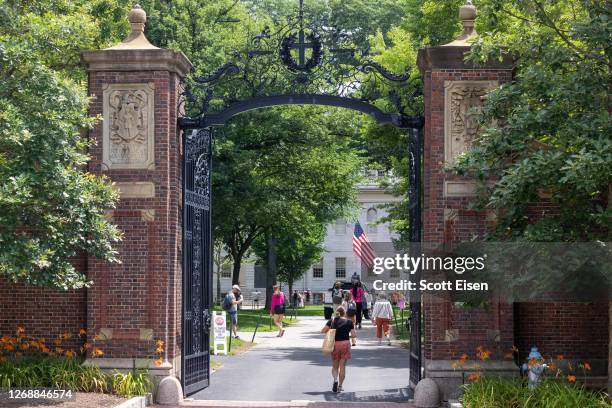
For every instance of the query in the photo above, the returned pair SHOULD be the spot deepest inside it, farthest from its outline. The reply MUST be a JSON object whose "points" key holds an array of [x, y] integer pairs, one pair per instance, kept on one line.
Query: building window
{"points": [[340, 267], [340, 226], [226, 271], [317, 270], [372, 216], [395, 273]]}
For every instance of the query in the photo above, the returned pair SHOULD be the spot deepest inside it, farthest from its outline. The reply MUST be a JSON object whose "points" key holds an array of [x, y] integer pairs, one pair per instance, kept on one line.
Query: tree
{"points": [[50, 208], [299, 244], [552, 124], [269, 163]]}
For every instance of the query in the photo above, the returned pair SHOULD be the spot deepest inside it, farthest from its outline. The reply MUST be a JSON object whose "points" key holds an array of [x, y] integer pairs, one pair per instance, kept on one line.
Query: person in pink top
{"points": [[277, 309]]}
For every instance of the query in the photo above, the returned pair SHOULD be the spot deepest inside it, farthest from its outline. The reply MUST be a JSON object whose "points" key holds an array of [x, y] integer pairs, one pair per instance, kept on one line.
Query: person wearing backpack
{"points": [[350, 307], [230, 305]]}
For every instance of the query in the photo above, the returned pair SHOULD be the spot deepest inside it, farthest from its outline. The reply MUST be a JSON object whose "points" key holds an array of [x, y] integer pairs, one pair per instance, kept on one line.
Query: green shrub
{"points": [[57, 372], [514, 393], [69, 373], [131, 384]]}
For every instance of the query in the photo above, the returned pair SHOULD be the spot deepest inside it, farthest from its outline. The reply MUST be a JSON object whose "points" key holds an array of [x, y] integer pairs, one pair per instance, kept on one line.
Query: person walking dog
{"points": [[342, 348]]}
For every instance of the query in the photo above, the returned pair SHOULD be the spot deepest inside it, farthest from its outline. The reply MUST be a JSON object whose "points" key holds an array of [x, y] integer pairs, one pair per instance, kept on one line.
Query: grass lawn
{"points": [[398, 325], [239, 346], [247, 320]]}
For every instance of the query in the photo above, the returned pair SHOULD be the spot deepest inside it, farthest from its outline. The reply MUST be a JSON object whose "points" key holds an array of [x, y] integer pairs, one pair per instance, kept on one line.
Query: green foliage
{"points": [[131, 384], [52, 372], [507, 393], [50, 209], [299, 244], [69, 373], [552, 124], [279, 167]]}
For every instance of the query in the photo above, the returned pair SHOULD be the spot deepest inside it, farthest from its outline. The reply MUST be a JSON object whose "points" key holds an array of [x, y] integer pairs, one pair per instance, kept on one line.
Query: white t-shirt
{"points": [[382, 308]]}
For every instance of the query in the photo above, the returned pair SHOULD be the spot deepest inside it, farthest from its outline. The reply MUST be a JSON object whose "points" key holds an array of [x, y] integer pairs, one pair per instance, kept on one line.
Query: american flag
{"points": [[362, 247]]}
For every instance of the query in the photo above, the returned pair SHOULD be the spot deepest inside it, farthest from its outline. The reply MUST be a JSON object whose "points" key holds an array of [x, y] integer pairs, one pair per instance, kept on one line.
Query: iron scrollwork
{"points": [[295, 58]]}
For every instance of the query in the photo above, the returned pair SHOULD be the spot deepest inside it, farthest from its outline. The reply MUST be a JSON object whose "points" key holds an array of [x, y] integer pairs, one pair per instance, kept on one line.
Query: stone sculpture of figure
{"points": [[128, 121]]}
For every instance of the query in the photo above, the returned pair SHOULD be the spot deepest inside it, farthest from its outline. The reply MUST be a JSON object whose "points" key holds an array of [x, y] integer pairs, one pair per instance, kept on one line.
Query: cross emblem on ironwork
{"points": [[302, 45]]}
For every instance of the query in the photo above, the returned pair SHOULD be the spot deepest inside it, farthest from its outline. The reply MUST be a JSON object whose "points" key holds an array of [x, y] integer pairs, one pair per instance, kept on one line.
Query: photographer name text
{"points": [[461, 285]]}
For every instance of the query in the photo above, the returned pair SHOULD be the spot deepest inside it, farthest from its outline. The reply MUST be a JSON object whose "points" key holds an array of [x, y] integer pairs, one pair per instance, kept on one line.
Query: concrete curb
{"points": [[137, 402]]}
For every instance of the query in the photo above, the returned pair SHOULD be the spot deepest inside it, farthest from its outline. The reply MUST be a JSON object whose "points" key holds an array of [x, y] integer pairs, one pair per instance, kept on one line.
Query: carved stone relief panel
{"points": [[463, 101], [128, 131]]}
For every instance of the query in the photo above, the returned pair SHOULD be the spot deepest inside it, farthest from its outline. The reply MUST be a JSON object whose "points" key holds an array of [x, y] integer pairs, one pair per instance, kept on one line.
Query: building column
{"points": [[135, 87], [452, 88]]}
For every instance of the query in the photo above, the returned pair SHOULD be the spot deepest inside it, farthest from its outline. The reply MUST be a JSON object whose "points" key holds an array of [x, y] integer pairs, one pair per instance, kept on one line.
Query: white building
{"points": [[339, 261]]}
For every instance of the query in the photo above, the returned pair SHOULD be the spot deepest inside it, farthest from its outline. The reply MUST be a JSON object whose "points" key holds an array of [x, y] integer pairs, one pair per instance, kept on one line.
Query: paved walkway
{"points": [[293, 369]]}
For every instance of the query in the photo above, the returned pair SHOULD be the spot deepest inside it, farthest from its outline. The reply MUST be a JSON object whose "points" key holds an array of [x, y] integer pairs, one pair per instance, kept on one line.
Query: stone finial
{"points": [[136, 40], [467, 15]]}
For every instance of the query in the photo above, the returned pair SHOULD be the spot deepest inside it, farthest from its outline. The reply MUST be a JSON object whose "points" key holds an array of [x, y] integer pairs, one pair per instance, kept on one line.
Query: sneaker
{"points": [[237, 337], [335, 386], [282, 332], [379, 342], [340, 388]]}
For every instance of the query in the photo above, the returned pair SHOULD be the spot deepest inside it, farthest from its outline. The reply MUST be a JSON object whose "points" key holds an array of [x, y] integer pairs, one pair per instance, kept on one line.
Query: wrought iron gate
{"points": [[333, 73], [197, 260], [414, 197]]}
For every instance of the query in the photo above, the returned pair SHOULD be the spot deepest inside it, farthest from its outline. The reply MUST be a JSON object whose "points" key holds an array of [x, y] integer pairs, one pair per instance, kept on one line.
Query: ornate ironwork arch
{"points": [[297, 64]]}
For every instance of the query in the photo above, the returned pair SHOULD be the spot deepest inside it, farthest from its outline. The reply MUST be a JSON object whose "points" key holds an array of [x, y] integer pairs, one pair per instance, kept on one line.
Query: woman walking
{"points": [[382, 313], [350, 308], [357, 291], [277, 308], [336, 295], [342, 348]]}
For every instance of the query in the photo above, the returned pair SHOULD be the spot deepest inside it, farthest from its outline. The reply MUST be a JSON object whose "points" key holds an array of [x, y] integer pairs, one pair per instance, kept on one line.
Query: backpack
{"points": [[227, 302], [351, 309]]}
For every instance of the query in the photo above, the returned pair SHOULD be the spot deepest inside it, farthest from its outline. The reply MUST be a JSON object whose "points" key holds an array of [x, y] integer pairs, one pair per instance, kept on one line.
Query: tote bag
{"points": [[330, 340]]}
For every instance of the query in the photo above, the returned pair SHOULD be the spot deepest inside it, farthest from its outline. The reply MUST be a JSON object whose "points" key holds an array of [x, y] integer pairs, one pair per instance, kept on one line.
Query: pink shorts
{"points": [[342, 350]]}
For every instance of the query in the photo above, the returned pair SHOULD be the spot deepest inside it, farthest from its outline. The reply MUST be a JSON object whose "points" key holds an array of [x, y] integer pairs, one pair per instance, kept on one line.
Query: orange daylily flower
{"points": [[587, 366], [20, 330], [82, 332], [18, 354], [571, 378], [67, 335], [24, 346], [552, 366], [97, 337], [97, 352], [463, 358], [9, 347], [70, 354], [59, 350], [5, 339], [474, 377], [158, 362]]}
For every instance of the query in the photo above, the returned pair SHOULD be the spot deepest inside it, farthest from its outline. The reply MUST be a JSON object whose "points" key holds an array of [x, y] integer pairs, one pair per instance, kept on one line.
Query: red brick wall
{"points": [[141, 293], [575, 330], [45, 313], [473, 327]]}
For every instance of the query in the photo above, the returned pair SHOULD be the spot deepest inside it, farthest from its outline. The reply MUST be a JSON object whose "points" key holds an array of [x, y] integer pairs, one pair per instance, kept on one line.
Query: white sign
{"points": [[219, 333]]}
